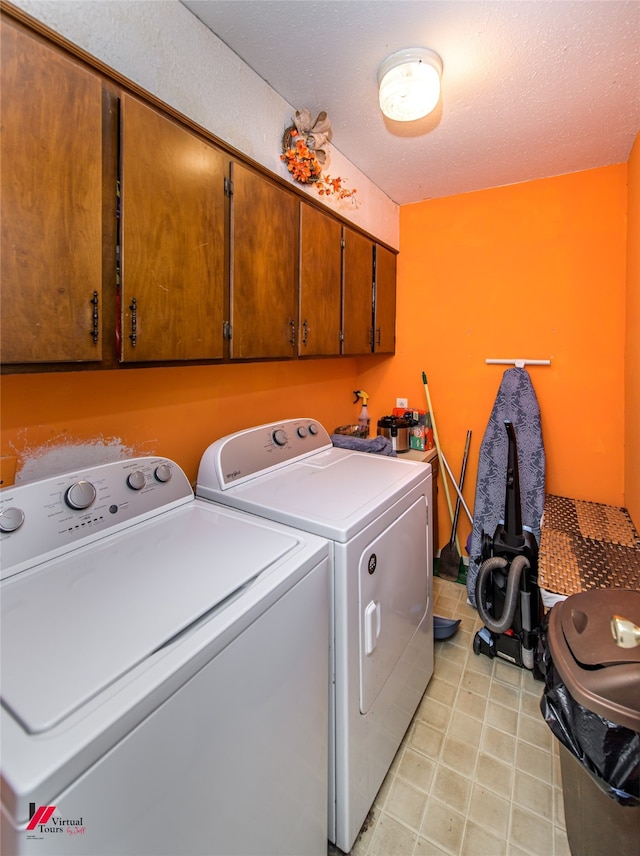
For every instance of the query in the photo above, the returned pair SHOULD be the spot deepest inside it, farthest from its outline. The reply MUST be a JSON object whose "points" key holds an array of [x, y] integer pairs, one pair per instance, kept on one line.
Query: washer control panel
{"points": [[248, 453], [42, 519]]}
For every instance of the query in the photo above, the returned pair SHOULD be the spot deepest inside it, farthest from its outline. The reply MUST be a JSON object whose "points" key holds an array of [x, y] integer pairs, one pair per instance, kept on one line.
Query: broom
{"points": [[439, 451], [449, 564]]}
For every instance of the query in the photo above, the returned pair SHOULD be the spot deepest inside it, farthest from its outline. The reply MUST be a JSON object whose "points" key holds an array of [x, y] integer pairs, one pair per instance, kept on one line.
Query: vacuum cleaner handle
{"points": [[512, 533], [510, 539]]}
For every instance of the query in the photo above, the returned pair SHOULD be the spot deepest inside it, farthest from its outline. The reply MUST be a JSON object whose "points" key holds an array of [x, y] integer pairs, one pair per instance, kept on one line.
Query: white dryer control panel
{"points": [[43, 519], [256, 451]]}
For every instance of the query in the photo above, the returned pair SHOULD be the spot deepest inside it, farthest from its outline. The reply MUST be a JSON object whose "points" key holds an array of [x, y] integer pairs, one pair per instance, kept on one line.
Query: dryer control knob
{"points": [[136, 480], [11, 519], [80, 495], [302, 431], [280, 437], [313, 429], [163, 473]]}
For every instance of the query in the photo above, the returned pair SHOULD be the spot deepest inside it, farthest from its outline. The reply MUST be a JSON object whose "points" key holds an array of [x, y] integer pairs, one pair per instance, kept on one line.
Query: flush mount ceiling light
{"points": [[409, 84]]}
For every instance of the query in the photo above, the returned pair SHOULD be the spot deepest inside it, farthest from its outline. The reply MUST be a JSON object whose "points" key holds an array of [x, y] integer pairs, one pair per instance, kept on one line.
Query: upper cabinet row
{"points": [[128, 237]]}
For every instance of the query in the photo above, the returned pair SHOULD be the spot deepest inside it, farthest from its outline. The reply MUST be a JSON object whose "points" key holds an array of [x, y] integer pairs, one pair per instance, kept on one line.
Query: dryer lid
{"points": [[333, 493], [79, 623]]}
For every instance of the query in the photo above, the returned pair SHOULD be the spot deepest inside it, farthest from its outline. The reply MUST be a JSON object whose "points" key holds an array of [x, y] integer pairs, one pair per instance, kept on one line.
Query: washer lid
{"points": [[80, 622]]}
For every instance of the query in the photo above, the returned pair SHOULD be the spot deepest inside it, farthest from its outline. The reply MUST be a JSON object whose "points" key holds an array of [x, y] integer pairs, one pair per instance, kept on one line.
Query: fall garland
{"points": [[304, 155]]}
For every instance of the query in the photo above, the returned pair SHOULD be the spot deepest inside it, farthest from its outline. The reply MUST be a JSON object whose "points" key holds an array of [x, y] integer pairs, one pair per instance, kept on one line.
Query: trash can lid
{"points": [[599, 674]]}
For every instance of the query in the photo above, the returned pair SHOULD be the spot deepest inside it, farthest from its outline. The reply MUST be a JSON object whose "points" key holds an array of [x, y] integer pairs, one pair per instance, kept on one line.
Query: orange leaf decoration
{"points": [[299, 155]]}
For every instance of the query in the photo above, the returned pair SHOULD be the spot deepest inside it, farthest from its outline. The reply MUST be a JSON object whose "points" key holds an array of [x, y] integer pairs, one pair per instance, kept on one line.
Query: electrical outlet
{"points": [[402, 402], [8, 465]]}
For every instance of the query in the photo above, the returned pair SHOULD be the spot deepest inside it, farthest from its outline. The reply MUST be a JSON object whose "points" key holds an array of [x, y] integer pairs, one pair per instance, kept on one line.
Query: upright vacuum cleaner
{"points": [[507, 593]]}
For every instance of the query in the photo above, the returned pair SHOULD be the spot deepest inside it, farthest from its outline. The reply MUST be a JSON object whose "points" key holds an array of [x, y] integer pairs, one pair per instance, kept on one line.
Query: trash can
{"points": [[591, 702]]}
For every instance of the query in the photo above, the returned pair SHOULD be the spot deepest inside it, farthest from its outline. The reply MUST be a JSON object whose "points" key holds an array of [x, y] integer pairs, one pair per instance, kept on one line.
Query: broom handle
{"points": [[439, 451], [460, 496], [465, 457]]}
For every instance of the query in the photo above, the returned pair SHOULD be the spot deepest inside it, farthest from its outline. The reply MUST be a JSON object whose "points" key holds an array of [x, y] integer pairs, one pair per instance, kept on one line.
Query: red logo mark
{"points": [[41, 816]]}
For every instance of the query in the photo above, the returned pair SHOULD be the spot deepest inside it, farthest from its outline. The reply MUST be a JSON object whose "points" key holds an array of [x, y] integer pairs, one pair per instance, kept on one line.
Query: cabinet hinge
{"points": [[228, 187], [227, 330]]}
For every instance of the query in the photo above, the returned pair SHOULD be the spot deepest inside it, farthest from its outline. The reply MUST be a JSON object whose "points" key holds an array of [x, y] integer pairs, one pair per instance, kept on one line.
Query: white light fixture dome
{"points": [[409, 84]]}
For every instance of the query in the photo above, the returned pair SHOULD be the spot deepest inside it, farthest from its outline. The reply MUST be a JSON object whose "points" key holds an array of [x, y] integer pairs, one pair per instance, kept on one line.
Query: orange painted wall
{"points": [[632, 356], [534, 270], [60, 421]]}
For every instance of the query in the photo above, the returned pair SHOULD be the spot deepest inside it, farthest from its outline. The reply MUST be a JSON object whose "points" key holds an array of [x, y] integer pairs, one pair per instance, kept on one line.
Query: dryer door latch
{"points": [[371, 626]]}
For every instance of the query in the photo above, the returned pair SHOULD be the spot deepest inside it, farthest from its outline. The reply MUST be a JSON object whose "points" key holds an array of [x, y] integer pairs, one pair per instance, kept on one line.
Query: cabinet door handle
{"points": [[134, 322], [305, 332], [95, 332], [292, 337]]}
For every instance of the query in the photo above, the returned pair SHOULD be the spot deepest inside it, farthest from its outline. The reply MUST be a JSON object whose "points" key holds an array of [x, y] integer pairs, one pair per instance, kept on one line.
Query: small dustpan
{"points": [[444, 628]]}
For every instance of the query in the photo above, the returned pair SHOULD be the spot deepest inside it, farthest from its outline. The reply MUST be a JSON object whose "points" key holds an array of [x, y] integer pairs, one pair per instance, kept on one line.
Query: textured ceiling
{"points": [[529, 89]]}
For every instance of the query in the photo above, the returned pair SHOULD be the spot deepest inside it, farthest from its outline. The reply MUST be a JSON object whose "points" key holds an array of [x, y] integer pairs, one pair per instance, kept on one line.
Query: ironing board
{"points": [[515, 402], [586, 545]]}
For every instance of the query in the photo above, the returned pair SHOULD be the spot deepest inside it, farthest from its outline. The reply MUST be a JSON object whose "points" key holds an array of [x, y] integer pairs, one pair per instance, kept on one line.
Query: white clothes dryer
{"points": [[377, 513], [164, 669]]}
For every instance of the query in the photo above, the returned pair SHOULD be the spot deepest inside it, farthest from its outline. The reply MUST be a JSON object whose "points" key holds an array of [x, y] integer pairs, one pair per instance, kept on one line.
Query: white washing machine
{"points": [[377, 513], [164, 671]]}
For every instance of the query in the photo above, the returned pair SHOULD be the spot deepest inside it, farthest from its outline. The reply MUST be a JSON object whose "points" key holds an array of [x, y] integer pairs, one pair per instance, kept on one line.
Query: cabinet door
{"points": [[51, 204], [320, 283], [357, 297], [264, 253], [172, 239], [384, 301]]}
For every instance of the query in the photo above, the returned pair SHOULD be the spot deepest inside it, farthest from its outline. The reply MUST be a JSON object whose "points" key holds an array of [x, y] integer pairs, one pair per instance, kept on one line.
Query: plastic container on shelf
{"points": [[353, 431]]}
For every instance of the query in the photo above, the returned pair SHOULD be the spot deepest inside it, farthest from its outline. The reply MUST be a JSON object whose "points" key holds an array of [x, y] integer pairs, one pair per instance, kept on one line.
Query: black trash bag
{"points": [[609, 752]]}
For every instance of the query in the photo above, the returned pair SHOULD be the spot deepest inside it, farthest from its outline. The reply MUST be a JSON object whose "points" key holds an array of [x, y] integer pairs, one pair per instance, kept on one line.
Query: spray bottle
{"points": [[363, 418]]}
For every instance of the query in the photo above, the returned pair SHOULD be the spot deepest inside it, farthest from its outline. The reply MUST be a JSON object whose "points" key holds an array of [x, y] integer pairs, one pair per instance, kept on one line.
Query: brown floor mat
{"points": [[586, 545]]}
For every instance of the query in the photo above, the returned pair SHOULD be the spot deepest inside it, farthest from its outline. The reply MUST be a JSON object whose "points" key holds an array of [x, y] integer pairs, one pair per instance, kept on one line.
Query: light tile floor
{"points": [[478, 772]]}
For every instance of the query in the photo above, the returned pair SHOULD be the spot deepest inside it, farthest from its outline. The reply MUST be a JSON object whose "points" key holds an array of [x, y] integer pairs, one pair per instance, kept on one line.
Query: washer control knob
{"points": [[80, 495], [280, 437], [163, 472], [136, 480], [313, 429], [302, 431], [11, 519]]}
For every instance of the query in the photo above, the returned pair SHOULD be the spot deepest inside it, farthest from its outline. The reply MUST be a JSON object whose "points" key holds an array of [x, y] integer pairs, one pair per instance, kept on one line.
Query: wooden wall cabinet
{"points": [[51, 204], [369, 296], [264, 265], [172, 228], [357, 294], [198, 257], [384, 300], [320, 317]]}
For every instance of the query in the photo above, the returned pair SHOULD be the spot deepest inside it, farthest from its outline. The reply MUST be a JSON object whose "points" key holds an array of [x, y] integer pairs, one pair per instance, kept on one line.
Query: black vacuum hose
{"points": [[511, 597]]}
